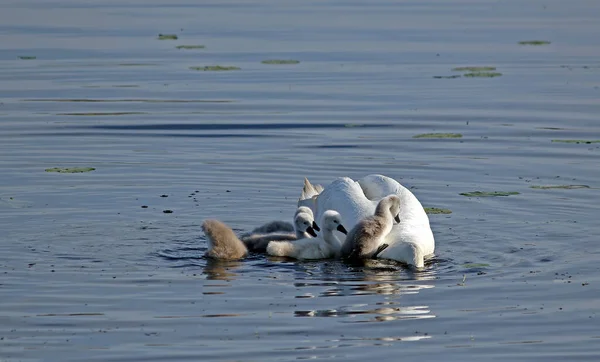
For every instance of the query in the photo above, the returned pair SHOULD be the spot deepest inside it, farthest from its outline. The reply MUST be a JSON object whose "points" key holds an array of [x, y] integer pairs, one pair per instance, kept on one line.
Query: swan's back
{"points": [[222, 241], [345, 196]]}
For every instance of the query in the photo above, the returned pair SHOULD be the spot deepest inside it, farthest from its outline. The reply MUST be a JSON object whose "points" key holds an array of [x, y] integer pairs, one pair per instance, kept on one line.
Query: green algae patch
{"points": [[280, 61], [475, 265], [577, 141], [482, 75], [447, 76], [474, 69], [215, 68], [534, 42], [354, 125], [565, 187], [187, 47], [437, 211], [167, 37], [27, 57], [438, 135], [489, 194], [70, 169]]}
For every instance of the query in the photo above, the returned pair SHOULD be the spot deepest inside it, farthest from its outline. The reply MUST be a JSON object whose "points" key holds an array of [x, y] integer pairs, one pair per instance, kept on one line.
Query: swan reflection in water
{"points": [[370, 292]]}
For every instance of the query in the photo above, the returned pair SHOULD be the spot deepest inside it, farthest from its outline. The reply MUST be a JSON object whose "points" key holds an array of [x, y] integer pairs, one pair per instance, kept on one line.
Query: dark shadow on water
{"points": [[226, 127], [338, 146], [120, 134]]}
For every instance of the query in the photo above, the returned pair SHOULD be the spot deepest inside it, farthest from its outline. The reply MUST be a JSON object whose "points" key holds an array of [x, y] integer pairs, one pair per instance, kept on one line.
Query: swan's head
{"points": [[389, 205], [332, 220], [304, 221]]}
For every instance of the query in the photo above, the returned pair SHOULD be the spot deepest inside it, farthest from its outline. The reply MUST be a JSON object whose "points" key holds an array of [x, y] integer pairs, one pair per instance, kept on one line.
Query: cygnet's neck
{"points": [[383, 210], [330, 238]]}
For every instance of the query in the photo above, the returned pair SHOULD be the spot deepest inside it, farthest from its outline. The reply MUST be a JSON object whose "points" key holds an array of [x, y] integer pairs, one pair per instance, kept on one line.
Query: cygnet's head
{"points": [[389, 204], [304, 222], [332, 220]]}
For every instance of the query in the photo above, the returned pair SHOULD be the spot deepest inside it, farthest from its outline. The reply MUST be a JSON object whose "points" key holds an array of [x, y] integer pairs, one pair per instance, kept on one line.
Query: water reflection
{"points": [[221, 270], [358, 284]]}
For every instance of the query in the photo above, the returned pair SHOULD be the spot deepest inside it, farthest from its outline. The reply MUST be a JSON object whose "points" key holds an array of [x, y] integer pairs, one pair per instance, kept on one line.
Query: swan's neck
{"points": [[383, 210], [330, 238]]}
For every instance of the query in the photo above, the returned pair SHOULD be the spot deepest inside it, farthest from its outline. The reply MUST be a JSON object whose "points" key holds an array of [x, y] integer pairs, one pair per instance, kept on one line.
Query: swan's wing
{"points": [[309, 190], [377, 187], [404, 252], [420, 235]]}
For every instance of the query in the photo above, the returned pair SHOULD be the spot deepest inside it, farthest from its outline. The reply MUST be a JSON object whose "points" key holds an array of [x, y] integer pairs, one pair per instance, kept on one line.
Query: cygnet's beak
{"points": [[342, 229], [397, 218], [315, 226], [311, 231]]}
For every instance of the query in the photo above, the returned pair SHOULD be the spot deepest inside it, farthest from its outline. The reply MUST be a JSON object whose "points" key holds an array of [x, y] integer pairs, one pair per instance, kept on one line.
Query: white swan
{"points": [[304, 226], [357, 200], [324, 247]]}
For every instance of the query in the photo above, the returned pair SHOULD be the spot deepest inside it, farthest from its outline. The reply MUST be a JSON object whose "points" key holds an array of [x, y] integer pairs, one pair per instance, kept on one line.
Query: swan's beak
{"points": [[311, 231], [397, 218], [315, 226], [381, 248], [342, 229]]}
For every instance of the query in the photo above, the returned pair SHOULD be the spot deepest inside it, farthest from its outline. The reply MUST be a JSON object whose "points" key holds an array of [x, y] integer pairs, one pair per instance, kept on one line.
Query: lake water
{"points": [[87, 273]]}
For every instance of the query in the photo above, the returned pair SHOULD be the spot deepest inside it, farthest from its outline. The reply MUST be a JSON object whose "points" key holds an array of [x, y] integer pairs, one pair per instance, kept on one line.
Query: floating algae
{"points": [[70, 169], [27, 57], [438, 135], [437, 210], [489, 194], [565, 187]]}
